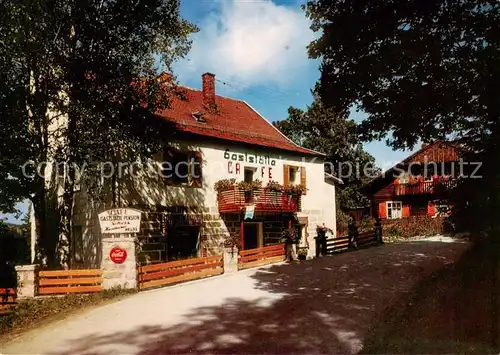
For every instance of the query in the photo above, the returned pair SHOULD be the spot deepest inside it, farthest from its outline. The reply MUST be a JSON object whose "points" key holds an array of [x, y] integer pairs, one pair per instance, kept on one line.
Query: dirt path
{"points": [[321, 306]]}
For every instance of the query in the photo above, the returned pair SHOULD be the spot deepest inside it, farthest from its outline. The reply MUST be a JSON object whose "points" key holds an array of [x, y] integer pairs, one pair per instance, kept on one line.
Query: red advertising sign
{"points": [[118, 255]]}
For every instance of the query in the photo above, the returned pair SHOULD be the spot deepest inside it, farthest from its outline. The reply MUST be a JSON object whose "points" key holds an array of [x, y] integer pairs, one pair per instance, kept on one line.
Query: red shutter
{"points": [[431, 209], [286, 175], [406, 211], [303, 180], [382, 210]]}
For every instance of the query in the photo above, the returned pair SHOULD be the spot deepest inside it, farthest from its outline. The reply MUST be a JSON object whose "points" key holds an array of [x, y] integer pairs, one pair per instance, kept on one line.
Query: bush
{"points": [[14, 250], [411, 227], [366, 225], [342, 222]]}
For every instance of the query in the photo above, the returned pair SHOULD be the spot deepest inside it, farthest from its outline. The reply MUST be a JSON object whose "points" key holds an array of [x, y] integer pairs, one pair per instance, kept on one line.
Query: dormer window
{"points": [[198, 116]]}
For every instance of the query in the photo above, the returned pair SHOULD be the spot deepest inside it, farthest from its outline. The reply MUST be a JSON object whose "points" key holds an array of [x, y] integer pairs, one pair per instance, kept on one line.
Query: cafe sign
{"points": [[265, 161], [249, 158], [120, 220]]}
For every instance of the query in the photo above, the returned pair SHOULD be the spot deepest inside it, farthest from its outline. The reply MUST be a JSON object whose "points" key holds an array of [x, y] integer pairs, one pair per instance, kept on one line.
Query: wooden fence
{"points": [[261, 256], [342, 243], [69, 281], [177, 271], [7, 300]]}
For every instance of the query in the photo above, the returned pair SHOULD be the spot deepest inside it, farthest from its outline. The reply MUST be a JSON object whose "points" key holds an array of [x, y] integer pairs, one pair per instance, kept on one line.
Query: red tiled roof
{"points": [[233, 120]]}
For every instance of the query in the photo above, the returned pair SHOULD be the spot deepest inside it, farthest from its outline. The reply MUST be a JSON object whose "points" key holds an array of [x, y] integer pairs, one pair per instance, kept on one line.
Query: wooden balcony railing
{"points": [[264, 200], [420, 188]]}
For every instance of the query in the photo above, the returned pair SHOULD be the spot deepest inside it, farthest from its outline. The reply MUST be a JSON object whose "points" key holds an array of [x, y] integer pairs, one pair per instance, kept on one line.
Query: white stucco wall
{"points": [[329, 207], [148, 188], [215, 167]]}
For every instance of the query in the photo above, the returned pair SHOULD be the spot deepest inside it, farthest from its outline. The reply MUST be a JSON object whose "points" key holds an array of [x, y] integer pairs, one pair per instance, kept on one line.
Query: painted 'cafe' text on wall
{"points": [[234, 167]]}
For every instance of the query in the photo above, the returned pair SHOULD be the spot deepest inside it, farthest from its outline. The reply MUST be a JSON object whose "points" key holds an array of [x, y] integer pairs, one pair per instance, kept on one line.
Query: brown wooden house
{"points": [[419, 185]]}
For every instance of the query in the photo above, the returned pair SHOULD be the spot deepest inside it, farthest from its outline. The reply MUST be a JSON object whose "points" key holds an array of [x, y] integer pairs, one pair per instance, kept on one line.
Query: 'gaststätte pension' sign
{"points": [[120, 220]]}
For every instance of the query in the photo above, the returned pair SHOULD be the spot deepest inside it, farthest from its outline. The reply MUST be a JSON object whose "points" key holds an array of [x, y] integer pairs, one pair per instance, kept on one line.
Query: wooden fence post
{"points": [[378, 231]]}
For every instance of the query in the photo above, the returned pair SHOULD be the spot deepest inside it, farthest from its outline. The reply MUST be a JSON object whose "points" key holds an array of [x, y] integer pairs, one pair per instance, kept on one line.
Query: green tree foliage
{"points": [[79, 82], [332, 133], [420, 70], [14, 250]]}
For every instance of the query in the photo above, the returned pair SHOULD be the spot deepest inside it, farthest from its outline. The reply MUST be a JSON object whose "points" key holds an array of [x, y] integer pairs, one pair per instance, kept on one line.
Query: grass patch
{"points": [[33, 312]]}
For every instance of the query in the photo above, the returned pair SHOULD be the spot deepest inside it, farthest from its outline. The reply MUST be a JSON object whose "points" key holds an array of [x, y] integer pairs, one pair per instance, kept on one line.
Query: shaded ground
{"points": [[36, 313], [321, 306], [455, 310]]}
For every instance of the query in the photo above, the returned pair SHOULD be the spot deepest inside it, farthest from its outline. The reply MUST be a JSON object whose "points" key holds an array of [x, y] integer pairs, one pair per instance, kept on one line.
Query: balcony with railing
{"points": [[422, 187], [264, 200]]}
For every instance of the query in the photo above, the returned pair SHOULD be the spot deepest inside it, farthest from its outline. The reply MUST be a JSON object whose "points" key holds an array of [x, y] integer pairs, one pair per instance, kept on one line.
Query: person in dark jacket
{"points": [[353, 234]]}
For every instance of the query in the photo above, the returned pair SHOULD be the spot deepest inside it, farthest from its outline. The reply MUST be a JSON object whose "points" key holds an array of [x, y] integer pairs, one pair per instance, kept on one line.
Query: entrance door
{"points": [[252, 235]]}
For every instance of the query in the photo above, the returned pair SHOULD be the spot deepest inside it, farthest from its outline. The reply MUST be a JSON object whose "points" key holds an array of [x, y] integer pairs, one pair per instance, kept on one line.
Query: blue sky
{"points": [[257, 50]]}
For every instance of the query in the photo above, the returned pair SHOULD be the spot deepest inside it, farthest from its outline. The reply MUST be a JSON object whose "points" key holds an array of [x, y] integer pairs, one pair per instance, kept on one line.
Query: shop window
{"points": [[182, 242]]}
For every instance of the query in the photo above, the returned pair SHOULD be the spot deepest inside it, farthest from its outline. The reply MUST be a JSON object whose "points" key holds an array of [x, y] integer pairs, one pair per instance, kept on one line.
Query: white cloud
{"points": [[250, 43]]}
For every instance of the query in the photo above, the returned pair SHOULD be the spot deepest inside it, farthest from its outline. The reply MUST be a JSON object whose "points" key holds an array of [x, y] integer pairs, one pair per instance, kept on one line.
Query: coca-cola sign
{"points": [[118, 255]]}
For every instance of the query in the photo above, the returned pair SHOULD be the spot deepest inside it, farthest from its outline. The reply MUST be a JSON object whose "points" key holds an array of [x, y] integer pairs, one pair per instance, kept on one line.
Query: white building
{"points": [[215, 138]]}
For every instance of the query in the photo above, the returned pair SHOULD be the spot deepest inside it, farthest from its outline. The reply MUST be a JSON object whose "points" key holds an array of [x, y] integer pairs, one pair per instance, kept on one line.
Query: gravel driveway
{"points": [[325, 305]]}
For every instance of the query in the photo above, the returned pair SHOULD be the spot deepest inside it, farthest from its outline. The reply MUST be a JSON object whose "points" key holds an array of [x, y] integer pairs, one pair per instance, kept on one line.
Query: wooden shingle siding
{"points": [[436, 152]]}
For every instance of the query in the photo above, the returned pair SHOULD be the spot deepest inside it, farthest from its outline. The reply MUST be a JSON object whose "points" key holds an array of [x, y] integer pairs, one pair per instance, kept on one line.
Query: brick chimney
{"points": [[208, 88]]}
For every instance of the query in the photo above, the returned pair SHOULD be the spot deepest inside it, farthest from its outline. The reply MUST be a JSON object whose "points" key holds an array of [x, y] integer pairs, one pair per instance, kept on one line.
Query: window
{"points": [[394, 209], [294, 175], [183, 242], [404, 178], [249, 174], [182, 168]]}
